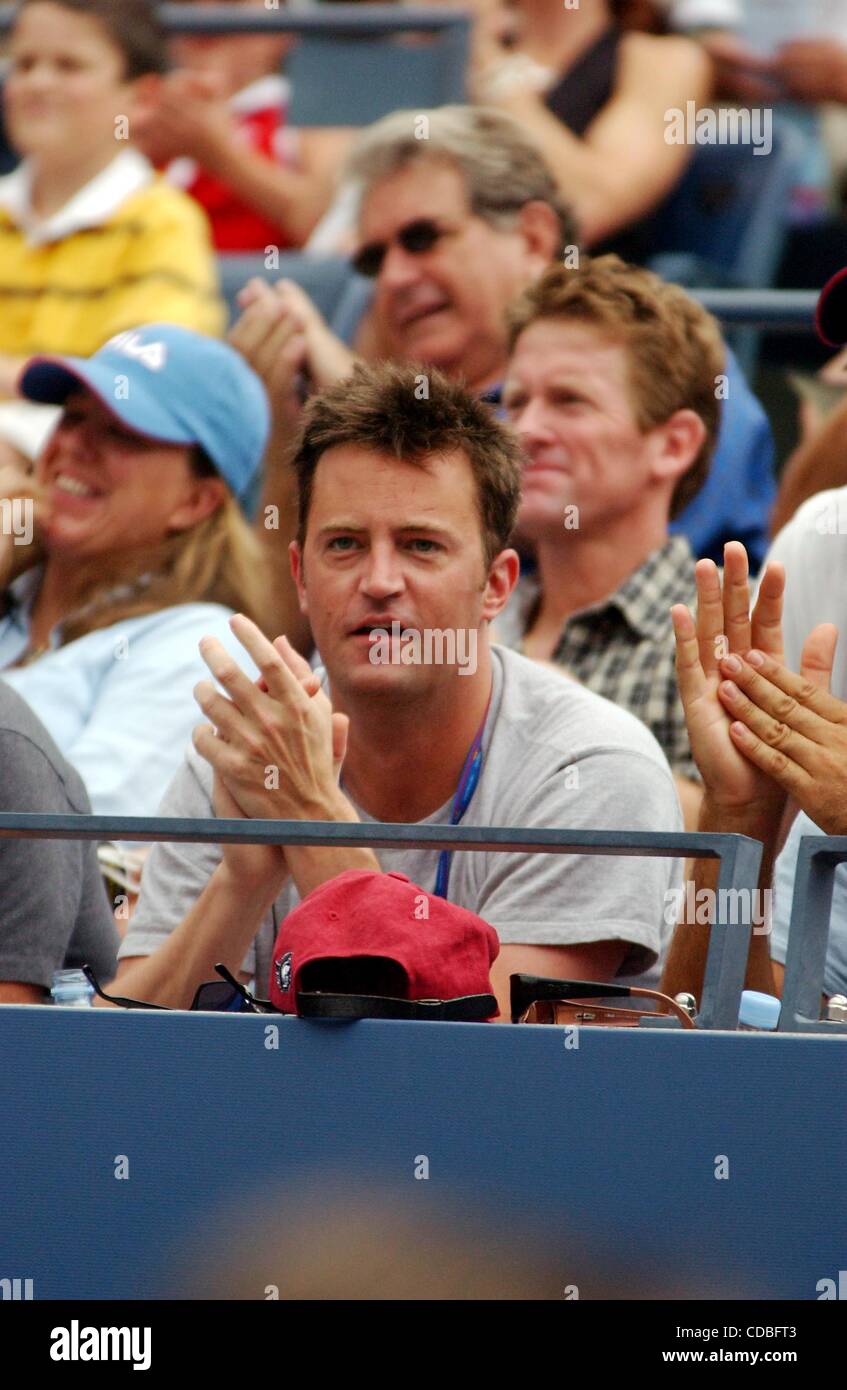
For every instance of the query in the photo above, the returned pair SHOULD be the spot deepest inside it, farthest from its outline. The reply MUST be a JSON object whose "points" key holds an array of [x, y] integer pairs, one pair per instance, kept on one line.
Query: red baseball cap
{"points": [[378, 934], [831, 312]]}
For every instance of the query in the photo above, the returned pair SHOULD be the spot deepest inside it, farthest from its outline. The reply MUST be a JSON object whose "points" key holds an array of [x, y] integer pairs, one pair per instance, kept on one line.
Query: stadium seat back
{"points": [[729, 214], [330, 282], [354, 79], [727, 222]]}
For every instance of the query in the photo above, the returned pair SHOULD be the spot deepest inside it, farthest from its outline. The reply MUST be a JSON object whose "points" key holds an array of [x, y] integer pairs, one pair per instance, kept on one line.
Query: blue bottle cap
{"points": [[759, 1010]]}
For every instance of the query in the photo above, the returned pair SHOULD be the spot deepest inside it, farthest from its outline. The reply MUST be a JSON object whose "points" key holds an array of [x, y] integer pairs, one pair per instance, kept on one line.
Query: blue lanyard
{"points": [[461, 801]]}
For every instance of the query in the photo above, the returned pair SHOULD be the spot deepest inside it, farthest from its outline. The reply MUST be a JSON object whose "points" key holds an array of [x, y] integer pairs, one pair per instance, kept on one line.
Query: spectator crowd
{"points": [[232, 519]]}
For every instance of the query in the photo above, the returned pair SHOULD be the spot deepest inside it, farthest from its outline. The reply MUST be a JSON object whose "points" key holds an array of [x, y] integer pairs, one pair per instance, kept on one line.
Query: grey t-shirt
{"points": [[54, 912], [554, 755]]}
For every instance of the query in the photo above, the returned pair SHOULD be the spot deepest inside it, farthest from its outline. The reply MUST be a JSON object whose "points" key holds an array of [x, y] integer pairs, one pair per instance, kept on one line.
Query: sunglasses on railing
{"points": [[582, 1003], [226, 995]]}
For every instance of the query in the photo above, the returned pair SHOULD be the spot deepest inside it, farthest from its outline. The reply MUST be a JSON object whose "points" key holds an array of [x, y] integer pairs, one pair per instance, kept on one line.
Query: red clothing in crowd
{"points": [[261, 110]]}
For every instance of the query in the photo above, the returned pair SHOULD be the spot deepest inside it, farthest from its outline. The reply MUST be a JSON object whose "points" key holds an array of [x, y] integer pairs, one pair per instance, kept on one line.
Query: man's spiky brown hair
{"points": [[399, 412]]}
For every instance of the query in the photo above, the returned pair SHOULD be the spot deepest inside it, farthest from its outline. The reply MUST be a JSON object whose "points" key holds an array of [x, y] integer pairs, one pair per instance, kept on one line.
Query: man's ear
{"points": [[679, 441], [298, 574], [540, 229], [503, 575]]}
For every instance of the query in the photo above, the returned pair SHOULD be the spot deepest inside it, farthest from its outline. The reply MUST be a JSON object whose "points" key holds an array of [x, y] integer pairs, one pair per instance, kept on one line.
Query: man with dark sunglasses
{"points": [[459, 214], [416, 237], [452, 225]]}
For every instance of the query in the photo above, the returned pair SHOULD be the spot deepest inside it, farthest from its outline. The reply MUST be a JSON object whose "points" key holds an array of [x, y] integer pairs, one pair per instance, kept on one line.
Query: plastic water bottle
{"points": [[759, 1013], [836, 1010], [71, 990]]}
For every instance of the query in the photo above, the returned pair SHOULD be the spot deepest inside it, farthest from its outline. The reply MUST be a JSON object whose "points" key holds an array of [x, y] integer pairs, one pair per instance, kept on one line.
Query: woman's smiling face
{"points": [[110, 490]]}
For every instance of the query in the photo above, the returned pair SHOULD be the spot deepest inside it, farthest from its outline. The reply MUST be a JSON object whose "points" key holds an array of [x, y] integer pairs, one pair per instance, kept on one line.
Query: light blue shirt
{"points": [[835, 974], [118, 701]]}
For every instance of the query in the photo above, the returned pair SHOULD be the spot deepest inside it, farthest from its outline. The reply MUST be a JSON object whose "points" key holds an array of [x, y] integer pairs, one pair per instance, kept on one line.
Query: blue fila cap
{"points": [[175, 386]]}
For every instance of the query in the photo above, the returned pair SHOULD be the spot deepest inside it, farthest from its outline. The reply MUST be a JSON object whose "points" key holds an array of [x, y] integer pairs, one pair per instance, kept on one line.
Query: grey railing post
{"points": [[818, 857]]}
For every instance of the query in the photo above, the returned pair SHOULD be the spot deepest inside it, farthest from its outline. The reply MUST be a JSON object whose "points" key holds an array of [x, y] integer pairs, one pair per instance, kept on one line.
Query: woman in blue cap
{"points": [[127, 546]]}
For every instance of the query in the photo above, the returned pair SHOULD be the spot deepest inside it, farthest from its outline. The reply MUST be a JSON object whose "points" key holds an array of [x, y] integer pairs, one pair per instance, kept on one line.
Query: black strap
{"points": [[530, 989], [469, 1008]]}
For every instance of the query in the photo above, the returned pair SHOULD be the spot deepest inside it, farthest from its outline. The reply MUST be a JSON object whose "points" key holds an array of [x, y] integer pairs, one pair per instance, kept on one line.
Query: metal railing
{"points": [[313, 19], [818, 857], [738, 871], [792, 310]]}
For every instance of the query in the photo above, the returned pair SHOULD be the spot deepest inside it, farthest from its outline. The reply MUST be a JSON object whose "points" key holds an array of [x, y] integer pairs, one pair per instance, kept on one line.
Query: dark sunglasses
{"points": [[416, 237], [535, 999], [226, 995]]}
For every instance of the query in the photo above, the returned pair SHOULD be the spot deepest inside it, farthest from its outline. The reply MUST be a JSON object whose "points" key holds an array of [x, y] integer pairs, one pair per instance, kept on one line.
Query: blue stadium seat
{"points": [[344, 80], [330, 281], [726, 224]]}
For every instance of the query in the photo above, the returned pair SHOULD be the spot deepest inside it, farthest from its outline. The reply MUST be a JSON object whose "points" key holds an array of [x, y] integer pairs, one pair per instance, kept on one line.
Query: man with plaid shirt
{"points": [[614, 386]]}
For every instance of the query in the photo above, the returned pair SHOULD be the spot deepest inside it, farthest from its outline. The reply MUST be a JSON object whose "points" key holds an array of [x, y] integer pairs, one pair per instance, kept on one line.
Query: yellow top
{"points": [[149, 260]]}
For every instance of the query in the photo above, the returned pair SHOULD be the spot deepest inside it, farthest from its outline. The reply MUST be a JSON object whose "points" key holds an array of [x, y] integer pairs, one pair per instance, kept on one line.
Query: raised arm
{"points": [[744, 746], [189, 117], [623, 165], [737, 797]]}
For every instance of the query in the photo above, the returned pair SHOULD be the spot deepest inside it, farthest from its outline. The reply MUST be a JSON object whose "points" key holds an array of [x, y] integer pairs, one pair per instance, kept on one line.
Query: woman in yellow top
{"points": [[91, 240]]}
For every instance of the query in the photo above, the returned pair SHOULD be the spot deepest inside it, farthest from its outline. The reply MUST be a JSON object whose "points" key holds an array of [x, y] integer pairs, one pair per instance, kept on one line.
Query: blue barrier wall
{"points": [[615, 1142]]}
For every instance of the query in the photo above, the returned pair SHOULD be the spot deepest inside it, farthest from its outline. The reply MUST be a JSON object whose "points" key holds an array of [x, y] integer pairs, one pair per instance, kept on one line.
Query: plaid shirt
{"points": [[623, 647]]}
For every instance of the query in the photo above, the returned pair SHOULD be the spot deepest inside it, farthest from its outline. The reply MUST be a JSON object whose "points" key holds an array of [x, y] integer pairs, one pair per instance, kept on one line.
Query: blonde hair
{"points": [[220, 560], [674, 345]]}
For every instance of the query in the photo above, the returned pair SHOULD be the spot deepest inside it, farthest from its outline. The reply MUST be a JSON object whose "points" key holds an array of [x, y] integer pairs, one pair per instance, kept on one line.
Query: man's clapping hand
{"points": [[758, 733], [725, 625], [285, 339], [275, 745], [188, 117], [791, 728]]}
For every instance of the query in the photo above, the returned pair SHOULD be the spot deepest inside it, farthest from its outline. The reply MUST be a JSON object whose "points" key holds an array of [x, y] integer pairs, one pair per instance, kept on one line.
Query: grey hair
{"points": [[502, 167]]}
